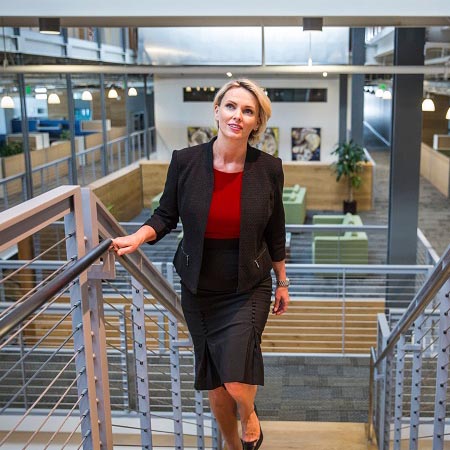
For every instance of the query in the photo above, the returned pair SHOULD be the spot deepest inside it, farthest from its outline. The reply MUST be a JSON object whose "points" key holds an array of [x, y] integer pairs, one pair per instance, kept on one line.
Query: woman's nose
{"points": [[238, 114]]}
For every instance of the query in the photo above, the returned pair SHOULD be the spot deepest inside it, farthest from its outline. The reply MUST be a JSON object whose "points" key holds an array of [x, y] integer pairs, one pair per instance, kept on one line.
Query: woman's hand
{"points": [[281, 300], [125, 244], [128, 244]]}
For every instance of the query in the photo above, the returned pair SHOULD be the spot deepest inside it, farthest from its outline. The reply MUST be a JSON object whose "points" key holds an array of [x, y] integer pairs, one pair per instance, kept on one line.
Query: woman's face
{"points": [[237, 114]]}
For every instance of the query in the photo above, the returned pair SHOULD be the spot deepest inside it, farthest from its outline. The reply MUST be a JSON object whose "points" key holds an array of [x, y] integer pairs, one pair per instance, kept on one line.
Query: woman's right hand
{"points": [[128, 244]]}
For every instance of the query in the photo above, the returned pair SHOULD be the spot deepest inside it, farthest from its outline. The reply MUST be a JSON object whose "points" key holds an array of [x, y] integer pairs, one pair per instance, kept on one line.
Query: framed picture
{"points": [[305, 144], [200, 135], [269, 141]]}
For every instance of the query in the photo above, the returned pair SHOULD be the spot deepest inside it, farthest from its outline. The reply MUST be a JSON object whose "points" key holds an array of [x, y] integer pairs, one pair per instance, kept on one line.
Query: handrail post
{"points": [[141, 364], [93, 298], [82, 338], [175, 374], [124, 356], [383, 406], [399, 381], [199, 414], [416, 382], [369, 426], [442, 369]]}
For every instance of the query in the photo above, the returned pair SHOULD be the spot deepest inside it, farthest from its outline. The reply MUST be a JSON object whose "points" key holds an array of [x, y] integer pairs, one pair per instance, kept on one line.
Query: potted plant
{"points": [[349, 158]]}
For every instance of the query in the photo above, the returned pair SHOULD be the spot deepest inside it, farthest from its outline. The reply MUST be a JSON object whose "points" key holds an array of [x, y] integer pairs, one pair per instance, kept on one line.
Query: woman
{"points": [[229, 198]]}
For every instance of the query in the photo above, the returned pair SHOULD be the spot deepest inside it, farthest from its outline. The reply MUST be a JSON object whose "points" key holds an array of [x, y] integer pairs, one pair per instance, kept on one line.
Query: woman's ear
{"points": [[216, 112]]}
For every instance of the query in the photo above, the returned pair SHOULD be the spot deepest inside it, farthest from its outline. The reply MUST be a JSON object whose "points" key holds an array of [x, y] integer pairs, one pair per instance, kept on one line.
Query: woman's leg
{"points": [[244, 396], [225, 411]]}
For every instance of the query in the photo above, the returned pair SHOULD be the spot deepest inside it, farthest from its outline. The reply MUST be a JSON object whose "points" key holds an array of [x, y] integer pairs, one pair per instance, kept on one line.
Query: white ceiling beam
{"points": [[150, 13], [237, 70]]}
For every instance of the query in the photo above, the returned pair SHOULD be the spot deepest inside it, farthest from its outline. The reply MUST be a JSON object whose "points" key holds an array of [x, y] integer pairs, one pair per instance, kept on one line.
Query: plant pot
{"points": [[349, 207]]}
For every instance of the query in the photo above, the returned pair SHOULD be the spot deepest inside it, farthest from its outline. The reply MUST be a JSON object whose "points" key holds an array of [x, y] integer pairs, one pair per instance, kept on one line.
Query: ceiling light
{"points": [[40, 90], [325, 74], [212, 89], [387, 95], [86, 96], [229, 74], [379, 93], [112, 93], [132, 92], [188, 89], [7, 102], [53, 99], [40, 96], [447, 116], [428, 104], [312, 23], [310, 61], [49, 25]]}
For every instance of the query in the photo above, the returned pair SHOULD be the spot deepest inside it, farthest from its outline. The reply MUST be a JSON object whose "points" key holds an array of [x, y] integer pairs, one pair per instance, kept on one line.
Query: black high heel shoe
{"points": [[254, 445]]}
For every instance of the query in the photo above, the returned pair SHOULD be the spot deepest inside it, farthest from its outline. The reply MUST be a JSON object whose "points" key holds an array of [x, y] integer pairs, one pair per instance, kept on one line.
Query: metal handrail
{"points": [[437, 278], [139, 267], [35, 301]]}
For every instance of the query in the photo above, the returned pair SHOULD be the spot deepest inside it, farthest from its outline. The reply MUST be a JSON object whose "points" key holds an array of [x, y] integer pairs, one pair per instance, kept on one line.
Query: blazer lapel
{"points": [[205, 186], [248, 198]]}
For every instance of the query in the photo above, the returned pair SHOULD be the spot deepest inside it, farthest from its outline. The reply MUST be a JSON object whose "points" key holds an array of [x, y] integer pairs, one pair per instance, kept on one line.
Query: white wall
{"points": [[173, 116]]}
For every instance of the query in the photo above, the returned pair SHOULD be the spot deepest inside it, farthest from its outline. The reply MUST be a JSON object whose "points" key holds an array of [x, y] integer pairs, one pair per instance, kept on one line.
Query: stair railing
{"points": [[128, 373], [410, 368]]}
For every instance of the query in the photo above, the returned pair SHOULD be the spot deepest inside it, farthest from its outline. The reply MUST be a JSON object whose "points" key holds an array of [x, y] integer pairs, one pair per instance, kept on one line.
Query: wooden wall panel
{"points": [[115, 108], [434, 122], [60, 111], [435, 167], [121, 192], [320, 181], [323, 192], [154, 175]]}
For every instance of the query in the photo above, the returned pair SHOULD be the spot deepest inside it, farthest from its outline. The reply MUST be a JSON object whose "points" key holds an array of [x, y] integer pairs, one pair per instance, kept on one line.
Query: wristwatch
{"points": [[283, 283]]}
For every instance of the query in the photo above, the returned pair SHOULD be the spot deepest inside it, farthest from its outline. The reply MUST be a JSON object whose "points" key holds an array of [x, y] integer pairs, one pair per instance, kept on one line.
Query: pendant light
{"points": [[428, 104], [53, 99], [86, 96], [7, 102], [132, 92], [447, 116], [387, 95], [112, 93]]}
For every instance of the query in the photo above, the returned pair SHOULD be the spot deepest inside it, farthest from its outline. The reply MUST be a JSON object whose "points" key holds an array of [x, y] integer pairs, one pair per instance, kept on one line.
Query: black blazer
{"points": [[187, 195]]}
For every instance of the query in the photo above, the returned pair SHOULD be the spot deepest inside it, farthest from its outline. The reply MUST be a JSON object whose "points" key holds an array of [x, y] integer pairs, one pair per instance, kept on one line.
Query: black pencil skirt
{"points": [[226, 326]]}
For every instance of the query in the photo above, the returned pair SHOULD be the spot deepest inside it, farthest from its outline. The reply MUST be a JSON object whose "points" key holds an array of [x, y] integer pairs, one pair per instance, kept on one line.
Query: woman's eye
{"points": [[249, 111], [229, 106]]}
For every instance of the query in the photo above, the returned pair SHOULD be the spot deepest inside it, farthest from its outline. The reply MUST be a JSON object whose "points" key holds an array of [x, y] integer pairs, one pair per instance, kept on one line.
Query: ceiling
{"points": [[175, 13]]}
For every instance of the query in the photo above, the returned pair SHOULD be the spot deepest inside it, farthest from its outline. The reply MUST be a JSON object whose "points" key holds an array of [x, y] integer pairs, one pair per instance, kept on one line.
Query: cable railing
{"points": [[118, 153], [410, 368], [301, 249], [84, 364]]}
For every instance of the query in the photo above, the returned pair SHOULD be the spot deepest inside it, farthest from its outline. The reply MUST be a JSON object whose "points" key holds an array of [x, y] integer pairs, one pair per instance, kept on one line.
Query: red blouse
{"points": [[224, 217]]}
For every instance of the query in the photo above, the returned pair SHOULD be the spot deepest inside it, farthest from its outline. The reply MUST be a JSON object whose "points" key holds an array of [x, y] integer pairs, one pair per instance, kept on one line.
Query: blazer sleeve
{"points": [[165, 217], [275, 232]]}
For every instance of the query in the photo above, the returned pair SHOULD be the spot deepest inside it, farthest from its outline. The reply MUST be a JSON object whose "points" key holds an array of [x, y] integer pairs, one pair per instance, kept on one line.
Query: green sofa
{"points": [[331, 247], [155, 201], [294, 202]]}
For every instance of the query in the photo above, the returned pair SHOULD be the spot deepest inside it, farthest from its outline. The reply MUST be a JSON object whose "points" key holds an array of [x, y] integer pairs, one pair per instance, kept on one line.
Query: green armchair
{"points": [[331, 247], [294, 202]]}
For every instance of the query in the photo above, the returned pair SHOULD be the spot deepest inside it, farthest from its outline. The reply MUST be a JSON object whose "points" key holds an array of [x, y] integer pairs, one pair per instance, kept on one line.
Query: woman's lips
{"points": [[235, 127]]}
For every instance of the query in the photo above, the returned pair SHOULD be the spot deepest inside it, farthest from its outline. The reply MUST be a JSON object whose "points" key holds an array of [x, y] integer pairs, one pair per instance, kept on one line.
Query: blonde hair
{"points": [[264, 105]]}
